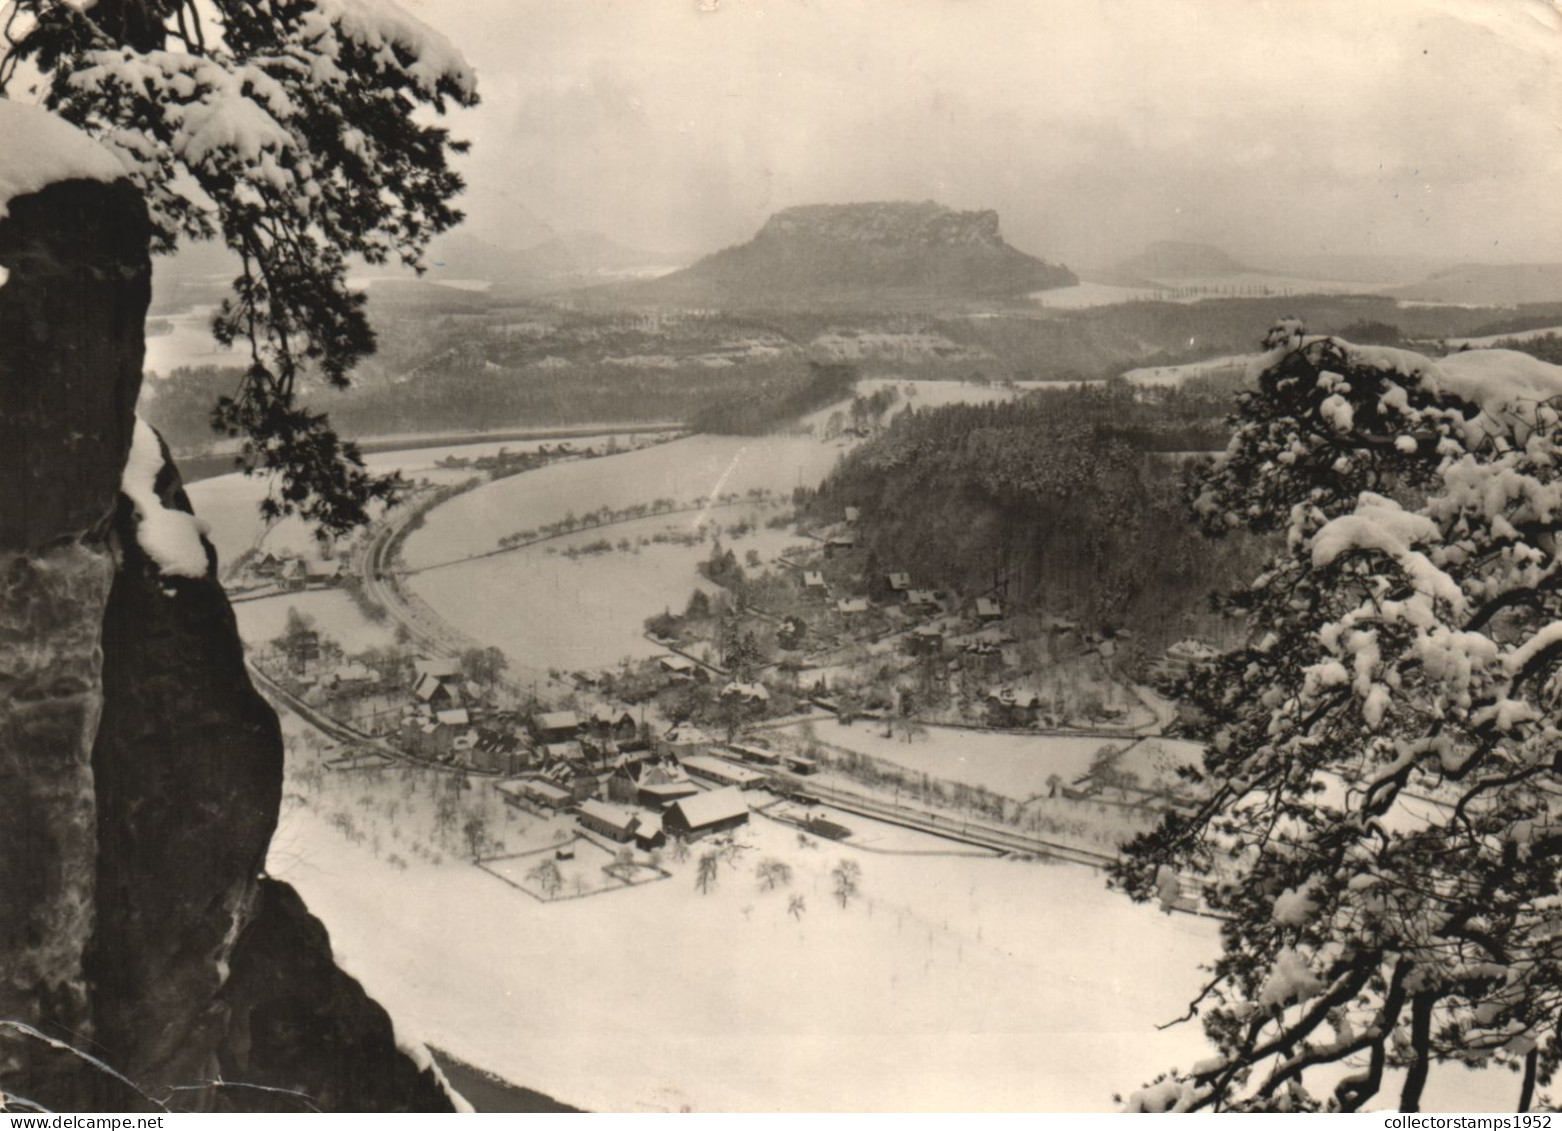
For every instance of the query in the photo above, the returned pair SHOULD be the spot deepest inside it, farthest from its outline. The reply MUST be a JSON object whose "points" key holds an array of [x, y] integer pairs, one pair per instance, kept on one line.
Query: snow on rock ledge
{"points": [[171, 538], [38, 149]]}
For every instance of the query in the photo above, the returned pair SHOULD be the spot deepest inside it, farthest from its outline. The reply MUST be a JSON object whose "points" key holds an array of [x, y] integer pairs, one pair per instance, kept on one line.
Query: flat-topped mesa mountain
{"points": [[873, 255]]}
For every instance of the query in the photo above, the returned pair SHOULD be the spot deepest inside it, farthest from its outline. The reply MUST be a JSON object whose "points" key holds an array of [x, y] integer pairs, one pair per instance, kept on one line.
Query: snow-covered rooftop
{"points": [[708, 808], [38, 149]]}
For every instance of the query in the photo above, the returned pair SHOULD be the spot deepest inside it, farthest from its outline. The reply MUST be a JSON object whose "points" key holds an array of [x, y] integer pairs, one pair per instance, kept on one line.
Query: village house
{"points": [[813, 581], [851, 606], [717, 811], [555, 726], [722, 772], [680, 667], [921, 599], [351, 679], [852, 514], [927, 640], [839, 543], [661, 783], [563, 751], [898, 582], [1012, 707], [612, 821], [453, 717], [321, 573], [535, 793], [268, 565], [753, 694], [685, 739], [616, 723], [435, 693], [988, 609]]}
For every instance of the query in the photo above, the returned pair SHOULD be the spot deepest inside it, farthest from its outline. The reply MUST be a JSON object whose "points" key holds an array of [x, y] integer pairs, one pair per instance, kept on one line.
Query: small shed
{"points": [[648, 831]]}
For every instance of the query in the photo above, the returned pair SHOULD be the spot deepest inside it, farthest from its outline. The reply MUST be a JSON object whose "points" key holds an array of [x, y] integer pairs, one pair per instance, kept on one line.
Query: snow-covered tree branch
{"points": [[1384, 772], [291, 130]]}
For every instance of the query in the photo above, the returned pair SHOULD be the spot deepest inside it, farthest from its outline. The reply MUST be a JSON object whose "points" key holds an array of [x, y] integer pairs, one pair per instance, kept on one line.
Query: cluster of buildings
{"points": [[289, 571]]}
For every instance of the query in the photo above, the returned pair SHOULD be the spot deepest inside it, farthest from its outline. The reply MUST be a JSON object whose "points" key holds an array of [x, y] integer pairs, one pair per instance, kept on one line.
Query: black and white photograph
{"points": [[780, 556]]}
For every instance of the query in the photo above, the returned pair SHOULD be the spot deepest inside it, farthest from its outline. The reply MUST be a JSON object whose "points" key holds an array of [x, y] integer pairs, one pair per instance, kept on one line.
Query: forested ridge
{"points": [[1062, 502]]}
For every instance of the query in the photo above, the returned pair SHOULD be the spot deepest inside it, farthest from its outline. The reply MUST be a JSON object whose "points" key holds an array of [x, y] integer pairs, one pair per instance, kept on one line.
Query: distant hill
{"points": [[591, 257], [1174, 259], [1482, 284], [859, 255], [556, 261]]}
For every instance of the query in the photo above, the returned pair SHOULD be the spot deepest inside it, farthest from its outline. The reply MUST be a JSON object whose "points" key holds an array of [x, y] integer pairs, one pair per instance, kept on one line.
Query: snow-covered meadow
{"points": [[546, 609], [949, 983]]}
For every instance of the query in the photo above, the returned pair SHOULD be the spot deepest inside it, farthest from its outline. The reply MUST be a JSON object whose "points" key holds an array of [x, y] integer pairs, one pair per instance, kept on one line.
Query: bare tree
{"points": [[706, 877], [547, 876], [846, 878], [773, 873]]}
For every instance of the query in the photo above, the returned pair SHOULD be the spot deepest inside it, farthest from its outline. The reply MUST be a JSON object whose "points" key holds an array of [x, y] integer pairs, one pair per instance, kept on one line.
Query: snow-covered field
{"points": [[228, 502], [1170, 376], [1086, 295], [695, 468], [1515, 336], [546, 610], [189, 343], [334, 614], [951, 983], [1014, 765]]}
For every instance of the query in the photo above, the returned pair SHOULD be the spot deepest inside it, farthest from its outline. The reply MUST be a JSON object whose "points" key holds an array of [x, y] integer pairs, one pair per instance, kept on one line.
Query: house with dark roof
{"points": [[555, 726], [435, 692]]}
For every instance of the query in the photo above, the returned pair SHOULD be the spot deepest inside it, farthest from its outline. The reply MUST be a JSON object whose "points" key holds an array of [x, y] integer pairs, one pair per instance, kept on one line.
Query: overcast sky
{"points": [[1415, 127]]}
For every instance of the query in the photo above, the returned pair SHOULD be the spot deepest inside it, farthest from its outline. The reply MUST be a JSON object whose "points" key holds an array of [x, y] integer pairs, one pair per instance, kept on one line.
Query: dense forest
{"points": [[763, 406], [1058, 502]]}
